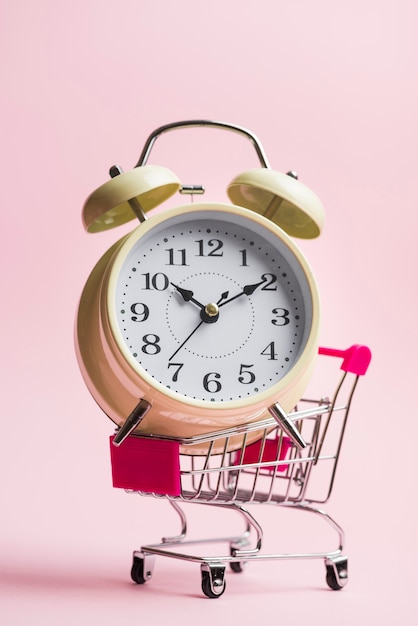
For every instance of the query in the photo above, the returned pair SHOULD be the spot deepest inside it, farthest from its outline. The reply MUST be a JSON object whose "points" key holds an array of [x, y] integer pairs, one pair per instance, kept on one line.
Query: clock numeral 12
{"points": [[215, 244]]}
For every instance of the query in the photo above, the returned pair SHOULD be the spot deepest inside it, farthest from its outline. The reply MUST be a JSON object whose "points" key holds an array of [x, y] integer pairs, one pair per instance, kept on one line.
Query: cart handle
{"points": [[356, 359]]}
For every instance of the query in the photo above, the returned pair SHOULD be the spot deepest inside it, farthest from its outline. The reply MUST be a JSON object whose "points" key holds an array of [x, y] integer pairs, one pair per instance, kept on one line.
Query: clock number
{"points": [[244, 258], [157, 281], [270, 351], [216, 244], [140, 312], [151, 342], [271, 278], [281, 314], [179, 253], [176, 373], [245, 371], [212, 385]]}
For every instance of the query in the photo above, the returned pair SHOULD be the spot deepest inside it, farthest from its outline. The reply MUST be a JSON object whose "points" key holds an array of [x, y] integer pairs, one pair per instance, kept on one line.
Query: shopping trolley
{"points": [[270, 470]]}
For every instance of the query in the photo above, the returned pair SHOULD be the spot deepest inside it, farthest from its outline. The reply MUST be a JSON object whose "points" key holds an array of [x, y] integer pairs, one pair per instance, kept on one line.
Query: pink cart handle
{"points": [[355, 359]]}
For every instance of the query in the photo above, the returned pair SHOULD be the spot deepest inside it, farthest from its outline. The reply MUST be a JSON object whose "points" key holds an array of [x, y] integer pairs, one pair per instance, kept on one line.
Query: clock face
{"points": [[213, 305]]}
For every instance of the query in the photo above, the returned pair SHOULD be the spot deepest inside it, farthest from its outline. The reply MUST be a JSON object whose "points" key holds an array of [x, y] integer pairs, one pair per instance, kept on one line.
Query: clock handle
{"points": [[131, 422], [195, 123], [287, 425]]}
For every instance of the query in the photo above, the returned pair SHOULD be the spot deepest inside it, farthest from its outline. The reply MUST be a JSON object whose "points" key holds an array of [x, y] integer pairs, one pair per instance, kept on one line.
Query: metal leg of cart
{"points": [[213, 568]]}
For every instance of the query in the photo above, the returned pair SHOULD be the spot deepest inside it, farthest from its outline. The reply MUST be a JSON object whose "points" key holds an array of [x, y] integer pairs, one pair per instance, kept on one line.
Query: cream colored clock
{"points": [[206, 315]]}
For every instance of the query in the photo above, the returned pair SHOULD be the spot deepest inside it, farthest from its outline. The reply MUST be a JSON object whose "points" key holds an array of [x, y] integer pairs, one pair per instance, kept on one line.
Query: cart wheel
{"points": [[141, 568], [213, 581], [337, 573], [237, 566]]}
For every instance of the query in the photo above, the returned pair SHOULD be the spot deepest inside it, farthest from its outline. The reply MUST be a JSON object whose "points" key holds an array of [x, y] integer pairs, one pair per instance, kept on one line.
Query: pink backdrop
{"points": [[330, 88]]}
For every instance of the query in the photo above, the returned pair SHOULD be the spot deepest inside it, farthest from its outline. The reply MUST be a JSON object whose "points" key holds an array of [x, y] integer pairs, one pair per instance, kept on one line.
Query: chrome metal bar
{"points": [[305, 506], [158, 550], [252, 522], [337, 454], [286, 424], [134, 203], [293, 463], [254, 553], [204, 470], [264, 464], [131, 422], [183, 521], [199, 123], [192, 190], [222, 464], [308, 466], [260, 460], [243, 428], [330, 413], [238, 469]]}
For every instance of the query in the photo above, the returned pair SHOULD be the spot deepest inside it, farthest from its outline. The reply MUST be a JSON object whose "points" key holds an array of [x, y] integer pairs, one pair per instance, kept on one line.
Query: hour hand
{"points": [[246, 291], [187, 295]]}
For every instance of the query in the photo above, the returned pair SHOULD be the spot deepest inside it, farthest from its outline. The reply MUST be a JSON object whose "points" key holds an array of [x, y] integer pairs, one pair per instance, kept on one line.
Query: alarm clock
{"points": [[206, 315]]}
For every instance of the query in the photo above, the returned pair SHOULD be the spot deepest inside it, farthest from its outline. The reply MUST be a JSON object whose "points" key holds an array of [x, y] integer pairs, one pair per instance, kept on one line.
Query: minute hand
{"points": [[246, 291]]}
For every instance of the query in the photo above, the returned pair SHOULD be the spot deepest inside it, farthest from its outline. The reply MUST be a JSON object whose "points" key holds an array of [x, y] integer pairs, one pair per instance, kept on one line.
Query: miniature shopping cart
{"points": [[268, 470]]}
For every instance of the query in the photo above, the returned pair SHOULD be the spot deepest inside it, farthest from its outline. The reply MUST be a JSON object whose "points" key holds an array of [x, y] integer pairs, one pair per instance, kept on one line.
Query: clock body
{"points": [[209, 312]]}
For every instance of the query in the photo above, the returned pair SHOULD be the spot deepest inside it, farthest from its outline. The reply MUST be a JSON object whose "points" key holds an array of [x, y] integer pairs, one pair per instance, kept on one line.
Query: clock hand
{"points": [[209, 314], [186, 340], [187, 295], [246, 291]]}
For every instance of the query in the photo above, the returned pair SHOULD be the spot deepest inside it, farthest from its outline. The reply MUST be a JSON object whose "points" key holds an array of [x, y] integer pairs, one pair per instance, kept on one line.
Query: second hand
{"points": [[185, 341]]}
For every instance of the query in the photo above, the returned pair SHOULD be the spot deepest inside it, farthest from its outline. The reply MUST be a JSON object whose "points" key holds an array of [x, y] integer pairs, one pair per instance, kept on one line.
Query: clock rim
{"points": [[257, 401]]}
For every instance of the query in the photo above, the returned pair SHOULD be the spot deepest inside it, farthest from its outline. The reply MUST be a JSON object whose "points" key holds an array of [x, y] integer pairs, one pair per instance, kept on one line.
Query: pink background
{"points": [[330, 88]]}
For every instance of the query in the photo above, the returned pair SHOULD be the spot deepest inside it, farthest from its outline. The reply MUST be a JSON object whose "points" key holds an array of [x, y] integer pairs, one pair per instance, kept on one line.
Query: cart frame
{"points": [[272, 470]]}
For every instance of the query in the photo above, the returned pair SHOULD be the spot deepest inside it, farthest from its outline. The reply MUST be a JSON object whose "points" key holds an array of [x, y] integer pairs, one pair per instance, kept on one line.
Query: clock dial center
{"points": [[210, 313], [212, 331], [211, 309]]}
